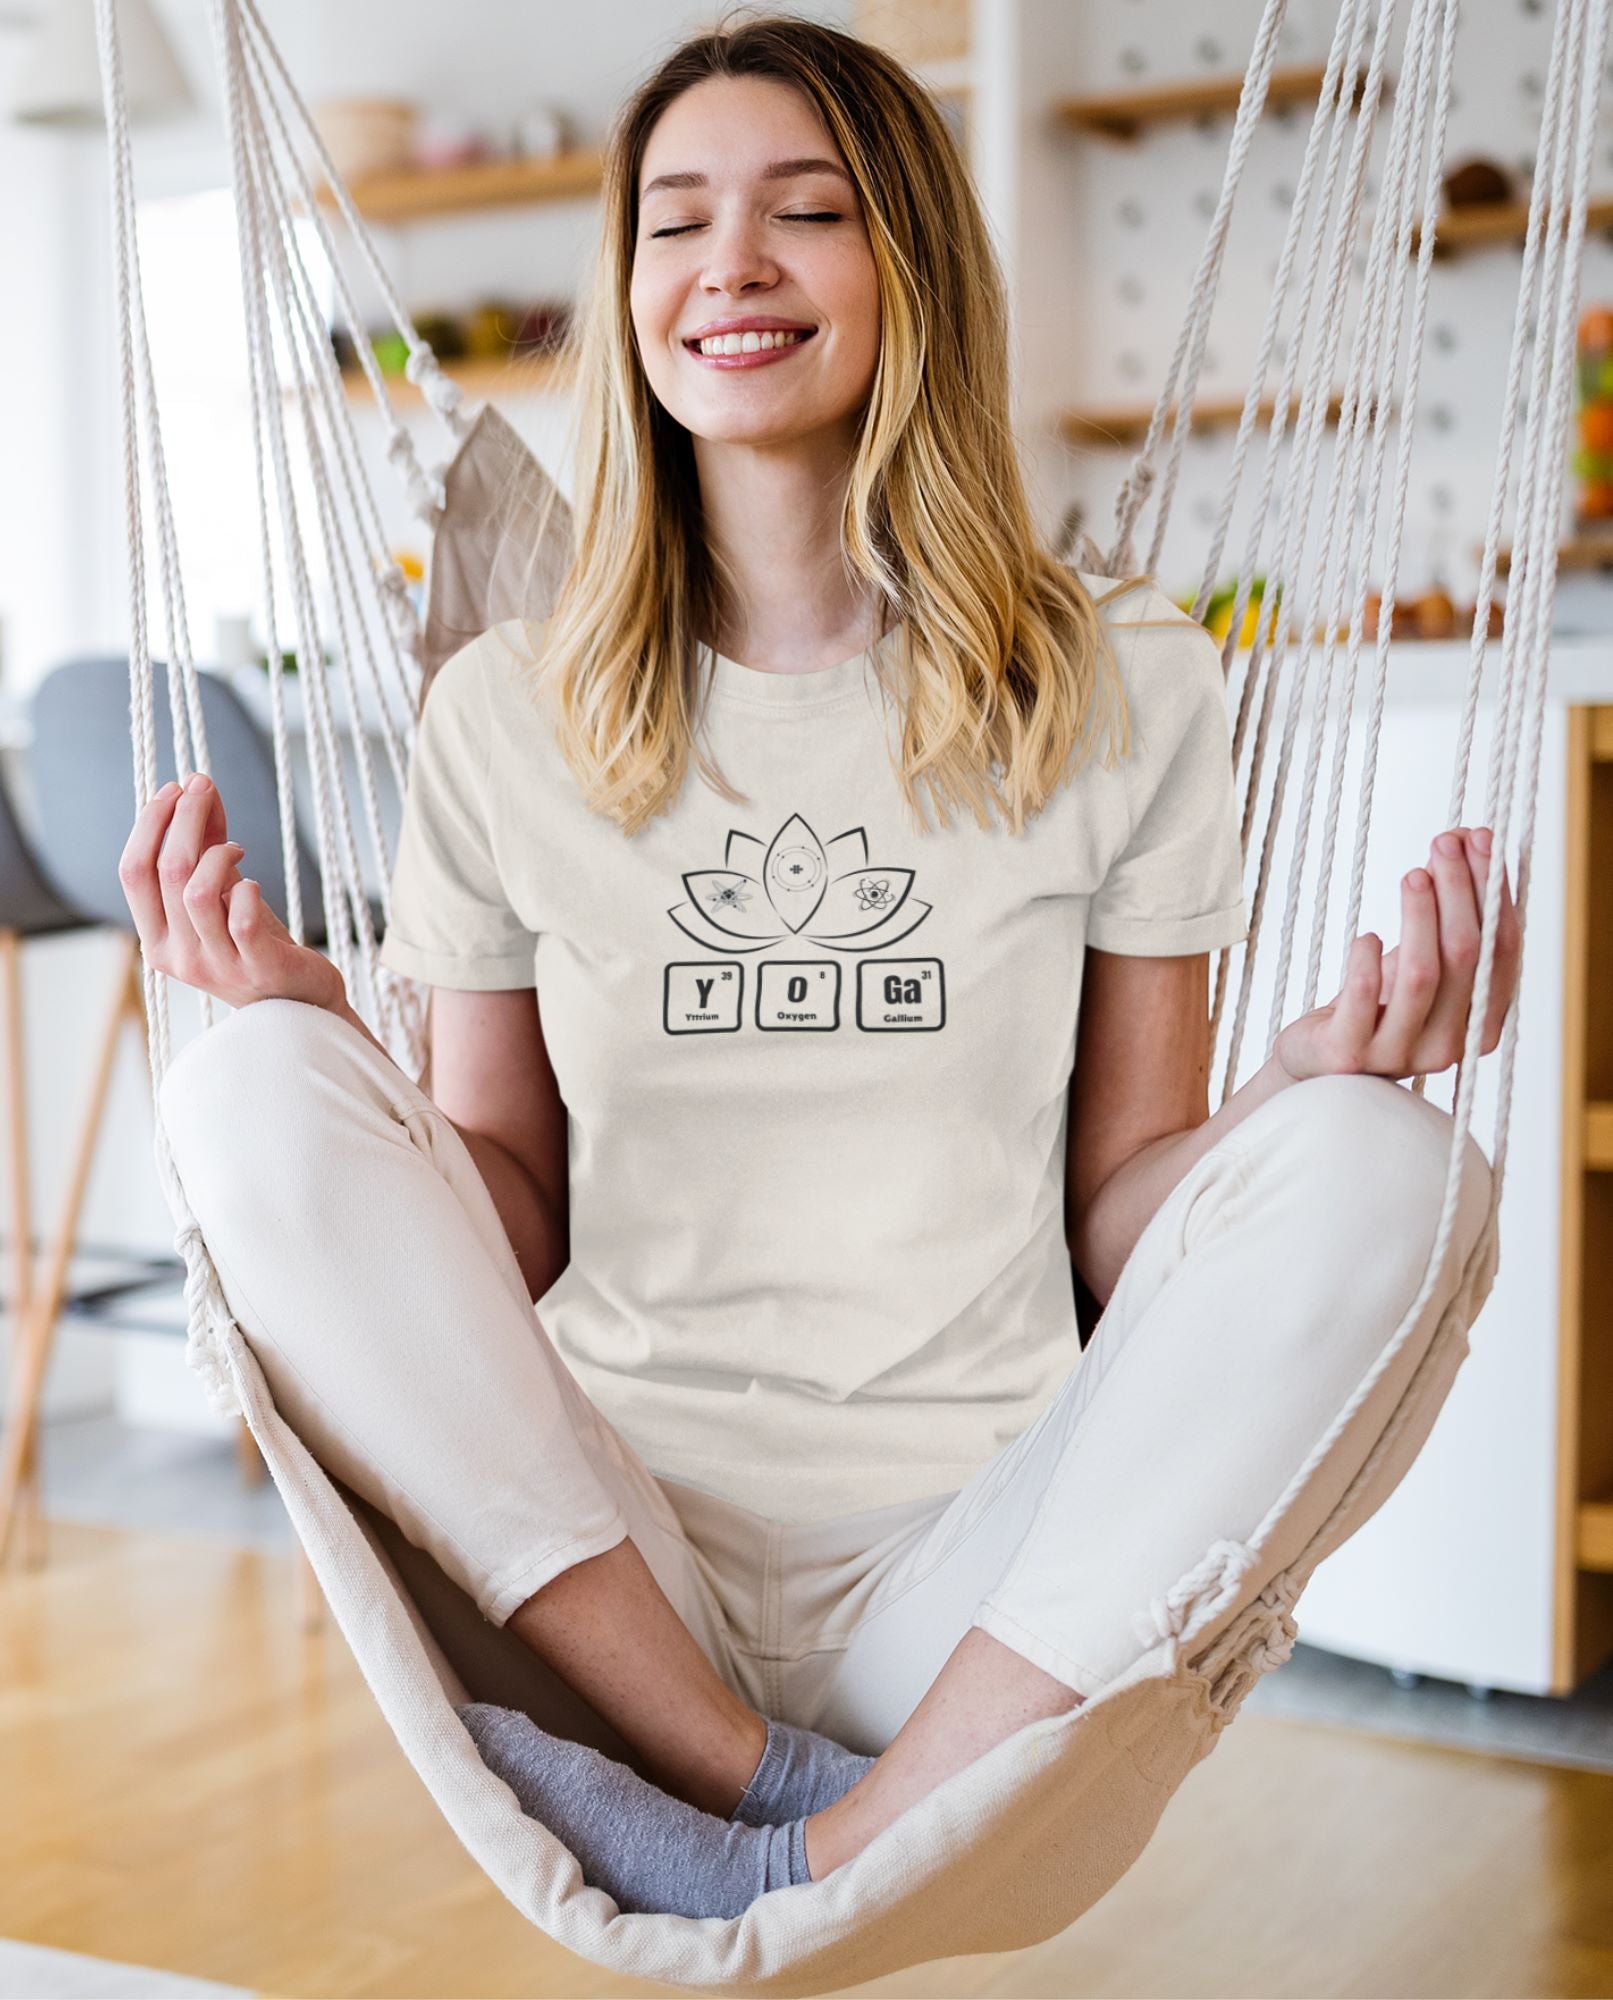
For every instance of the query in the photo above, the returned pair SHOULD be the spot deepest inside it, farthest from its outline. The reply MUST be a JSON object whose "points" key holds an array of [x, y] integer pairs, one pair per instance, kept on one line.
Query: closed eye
{"points": [[683, 228]]}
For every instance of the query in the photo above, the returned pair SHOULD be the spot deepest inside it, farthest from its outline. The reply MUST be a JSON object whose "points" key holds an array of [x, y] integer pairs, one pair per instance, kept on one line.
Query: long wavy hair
{"points": [[1003, 674]]}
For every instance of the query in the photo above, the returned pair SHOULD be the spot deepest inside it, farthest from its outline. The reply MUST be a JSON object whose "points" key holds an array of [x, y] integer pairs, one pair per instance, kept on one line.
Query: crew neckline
{"points": [[761, 688]]}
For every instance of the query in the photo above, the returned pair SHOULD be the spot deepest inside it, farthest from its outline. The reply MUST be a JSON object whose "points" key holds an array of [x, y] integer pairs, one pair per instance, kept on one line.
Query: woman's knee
{"points": [[228, 1092], [1377, 1156]]}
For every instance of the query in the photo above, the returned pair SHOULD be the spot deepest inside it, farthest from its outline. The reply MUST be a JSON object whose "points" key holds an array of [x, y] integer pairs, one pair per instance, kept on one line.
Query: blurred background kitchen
{"points": [[1452, 1685]]}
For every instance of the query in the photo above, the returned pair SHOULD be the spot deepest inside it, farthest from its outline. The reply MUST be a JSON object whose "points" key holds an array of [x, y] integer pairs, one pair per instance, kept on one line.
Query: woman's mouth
{"points": [[747, 350]]}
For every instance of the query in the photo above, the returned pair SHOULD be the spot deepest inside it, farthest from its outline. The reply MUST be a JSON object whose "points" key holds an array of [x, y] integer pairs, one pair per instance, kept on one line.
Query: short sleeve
{"points": [[1176, 885], [451, 922]]}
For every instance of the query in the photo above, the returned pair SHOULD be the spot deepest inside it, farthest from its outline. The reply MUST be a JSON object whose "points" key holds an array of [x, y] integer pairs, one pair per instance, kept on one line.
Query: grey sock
{"points": [[800, 1773], [649, 1851]]}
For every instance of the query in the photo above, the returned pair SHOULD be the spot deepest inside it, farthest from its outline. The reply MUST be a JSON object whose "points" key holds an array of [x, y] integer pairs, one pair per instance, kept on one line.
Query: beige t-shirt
{"points": [[816, 1062]]}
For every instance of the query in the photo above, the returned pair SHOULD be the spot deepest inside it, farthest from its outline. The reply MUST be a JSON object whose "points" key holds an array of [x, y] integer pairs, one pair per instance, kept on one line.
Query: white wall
{"points": [[42, 189]]}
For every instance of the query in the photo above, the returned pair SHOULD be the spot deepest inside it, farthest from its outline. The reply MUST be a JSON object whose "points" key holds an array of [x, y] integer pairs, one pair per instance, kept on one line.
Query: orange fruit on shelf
{"points": [[1433, 615]]}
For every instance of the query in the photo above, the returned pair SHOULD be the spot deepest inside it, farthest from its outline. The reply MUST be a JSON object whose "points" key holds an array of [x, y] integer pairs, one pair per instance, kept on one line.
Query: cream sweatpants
{"points": [[363, 1258]]}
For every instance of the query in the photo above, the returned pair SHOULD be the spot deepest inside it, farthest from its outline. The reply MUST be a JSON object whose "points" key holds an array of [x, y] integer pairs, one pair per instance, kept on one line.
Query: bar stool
{"points": [[84, 793], [30, 906]]}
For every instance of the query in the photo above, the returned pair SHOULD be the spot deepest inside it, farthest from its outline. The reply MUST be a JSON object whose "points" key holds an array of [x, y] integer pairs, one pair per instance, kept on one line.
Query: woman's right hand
{"points": [[200, 920]]}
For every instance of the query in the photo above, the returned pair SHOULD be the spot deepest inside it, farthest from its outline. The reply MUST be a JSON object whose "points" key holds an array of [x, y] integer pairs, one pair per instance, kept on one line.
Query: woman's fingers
{"points": [[1405, 1011], [197, 823], [1458, 910], [1355, 1012], [249, 919], [1417, 973], [211, 880], [137, 866], [176, 861], [1508, 938]]}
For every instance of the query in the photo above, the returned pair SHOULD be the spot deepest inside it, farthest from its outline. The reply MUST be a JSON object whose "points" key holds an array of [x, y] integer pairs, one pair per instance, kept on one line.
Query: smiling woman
{"points": [[813, 1006], [860, 476]]}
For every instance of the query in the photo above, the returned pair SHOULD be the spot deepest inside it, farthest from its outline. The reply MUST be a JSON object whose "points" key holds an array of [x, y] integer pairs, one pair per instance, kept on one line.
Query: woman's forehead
{"points": [[701, 141]]}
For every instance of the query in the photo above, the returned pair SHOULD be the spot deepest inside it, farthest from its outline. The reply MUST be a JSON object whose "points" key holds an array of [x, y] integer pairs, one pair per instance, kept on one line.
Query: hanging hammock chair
{"points": [[1016, 1846]]}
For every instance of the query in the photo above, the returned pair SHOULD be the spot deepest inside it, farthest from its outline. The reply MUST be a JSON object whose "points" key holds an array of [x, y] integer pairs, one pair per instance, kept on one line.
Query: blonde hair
{"points": [[1004, 674]]}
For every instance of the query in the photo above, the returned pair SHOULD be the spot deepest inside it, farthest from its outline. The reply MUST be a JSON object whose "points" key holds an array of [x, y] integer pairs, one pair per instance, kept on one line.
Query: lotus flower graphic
{"points": [[796, 885]]}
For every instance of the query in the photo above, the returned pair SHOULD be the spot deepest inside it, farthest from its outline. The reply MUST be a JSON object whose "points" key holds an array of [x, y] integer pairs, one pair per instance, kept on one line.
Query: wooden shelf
{"points": [[1122, 114], [412, 194], [1578, 552], [487, 381], [1128, 424], [1582, 1580], [1498, 222], [1594, 1543]]}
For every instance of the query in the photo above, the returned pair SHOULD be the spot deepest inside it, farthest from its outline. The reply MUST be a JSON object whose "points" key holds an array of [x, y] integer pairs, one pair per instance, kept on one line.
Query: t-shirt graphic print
{"points": [[820, 894], [815, 1058]]}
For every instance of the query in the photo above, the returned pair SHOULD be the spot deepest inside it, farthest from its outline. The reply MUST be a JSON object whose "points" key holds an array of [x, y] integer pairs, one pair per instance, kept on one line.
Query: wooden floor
{"points": [[186, 1781]]}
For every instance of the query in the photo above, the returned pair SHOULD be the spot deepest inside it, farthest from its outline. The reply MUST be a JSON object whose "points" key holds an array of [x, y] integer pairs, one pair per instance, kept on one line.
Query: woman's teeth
{"points": [[746, 343]]}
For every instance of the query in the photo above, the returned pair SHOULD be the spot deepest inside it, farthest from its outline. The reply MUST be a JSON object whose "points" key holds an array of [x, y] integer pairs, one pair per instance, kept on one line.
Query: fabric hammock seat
{"points": [[1082, 1793]]}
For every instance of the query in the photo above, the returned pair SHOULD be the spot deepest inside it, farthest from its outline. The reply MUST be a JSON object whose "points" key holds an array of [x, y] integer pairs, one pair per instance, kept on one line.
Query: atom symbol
{"points": [[728, 896], [873, 894], [798, 867]]}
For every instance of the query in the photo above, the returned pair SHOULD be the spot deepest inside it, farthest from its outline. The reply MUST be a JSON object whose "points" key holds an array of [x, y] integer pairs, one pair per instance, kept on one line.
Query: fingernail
{"points": [[1481, 839], [1418, 879], [1447, 843], [196, 782], [166, 791]]}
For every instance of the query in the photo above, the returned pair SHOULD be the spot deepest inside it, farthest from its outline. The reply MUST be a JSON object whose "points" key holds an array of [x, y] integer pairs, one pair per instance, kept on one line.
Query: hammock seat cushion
{"points": [[1008, 1852]]}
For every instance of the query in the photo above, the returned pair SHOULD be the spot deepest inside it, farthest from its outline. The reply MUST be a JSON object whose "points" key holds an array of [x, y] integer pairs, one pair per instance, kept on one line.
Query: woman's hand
{"points": [[1405, 1013], [200, 920]]}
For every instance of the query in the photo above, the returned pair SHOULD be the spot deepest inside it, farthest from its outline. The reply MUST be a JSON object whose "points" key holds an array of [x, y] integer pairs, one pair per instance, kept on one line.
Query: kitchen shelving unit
{"points": [[1127, 424], [487, 380], [1123, 114], [1583, 1587], [1484, 224], [415, 194]]}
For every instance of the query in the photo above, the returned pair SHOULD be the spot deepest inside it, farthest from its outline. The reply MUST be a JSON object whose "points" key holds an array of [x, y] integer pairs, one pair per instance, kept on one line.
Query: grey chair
{"points": [[83, 780], [83, 783]]}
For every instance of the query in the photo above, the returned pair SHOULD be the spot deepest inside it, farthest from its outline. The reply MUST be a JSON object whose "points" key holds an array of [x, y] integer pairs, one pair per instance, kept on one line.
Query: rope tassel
{"points": [[1211, 1584]]}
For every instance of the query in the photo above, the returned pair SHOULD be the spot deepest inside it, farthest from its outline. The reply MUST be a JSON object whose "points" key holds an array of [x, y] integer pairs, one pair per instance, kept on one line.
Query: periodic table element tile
{"points": [[703, 997], [901, 995], [798, 994]]}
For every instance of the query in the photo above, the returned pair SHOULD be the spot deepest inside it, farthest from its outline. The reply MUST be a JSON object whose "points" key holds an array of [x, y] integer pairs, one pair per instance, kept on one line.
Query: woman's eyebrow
{"points": [[778, 170]]}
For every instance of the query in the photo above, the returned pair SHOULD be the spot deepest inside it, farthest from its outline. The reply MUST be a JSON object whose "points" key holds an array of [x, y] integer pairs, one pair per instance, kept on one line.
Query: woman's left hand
{"points": [[1404, 1013]]}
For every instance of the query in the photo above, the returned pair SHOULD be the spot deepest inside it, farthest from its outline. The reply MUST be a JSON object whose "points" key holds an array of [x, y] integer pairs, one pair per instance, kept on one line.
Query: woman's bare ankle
{"points": [[715, 1776], [608, 1630], [984, 1694], [837, 1835]]}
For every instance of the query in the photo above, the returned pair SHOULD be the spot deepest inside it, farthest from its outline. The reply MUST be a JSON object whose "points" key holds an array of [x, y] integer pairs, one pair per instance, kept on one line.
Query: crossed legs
{"points": [[402, 1371]]}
